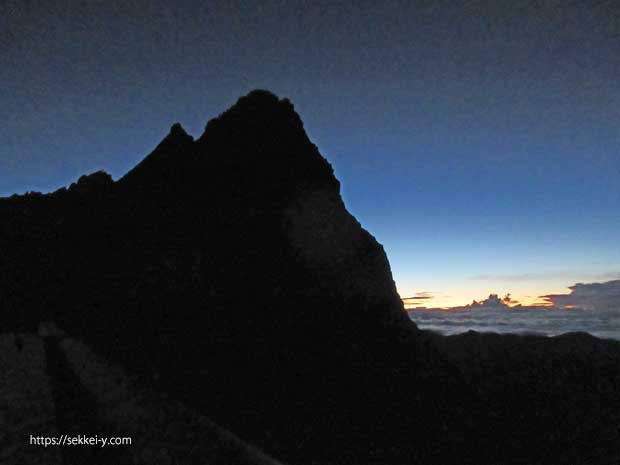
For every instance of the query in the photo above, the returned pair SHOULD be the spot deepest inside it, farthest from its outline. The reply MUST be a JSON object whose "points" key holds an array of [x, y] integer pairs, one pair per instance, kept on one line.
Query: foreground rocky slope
{"points": [[226, 273], [53, 384]]}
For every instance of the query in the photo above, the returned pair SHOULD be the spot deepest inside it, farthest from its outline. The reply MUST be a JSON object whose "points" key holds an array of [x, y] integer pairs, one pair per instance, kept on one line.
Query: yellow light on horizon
{"points": [[446, 304]]}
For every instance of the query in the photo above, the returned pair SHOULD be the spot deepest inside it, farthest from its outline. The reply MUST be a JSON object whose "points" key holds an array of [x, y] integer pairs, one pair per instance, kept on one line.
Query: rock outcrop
{"points": [[54, 386], [227, 273]]}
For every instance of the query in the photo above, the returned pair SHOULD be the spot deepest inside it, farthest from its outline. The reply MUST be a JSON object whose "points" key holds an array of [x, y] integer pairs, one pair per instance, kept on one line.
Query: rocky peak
{"points": [[260, 147], [164, 164], [258, 110], [228, 273], [95, 182], [177, 132]]}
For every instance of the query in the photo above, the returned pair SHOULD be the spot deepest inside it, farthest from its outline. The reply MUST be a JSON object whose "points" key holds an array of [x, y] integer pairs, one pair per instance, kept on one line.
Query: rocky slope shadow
{"points": [[56, 386]]}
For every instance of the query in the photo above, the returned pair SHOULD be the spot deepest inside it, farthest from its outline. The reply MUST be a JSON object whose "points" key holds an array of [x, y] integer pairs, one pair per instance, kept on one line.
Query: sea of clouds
{"points": [[593, 308]]}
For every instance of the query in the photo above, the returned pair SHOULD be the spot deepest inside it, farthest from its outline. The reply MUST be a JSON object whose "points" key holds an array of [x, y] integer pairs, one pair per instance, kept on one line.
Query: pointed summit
{"points": [[261, 142], [259, 97], [164, 163], [256, 103], [176, 136], [259, 111], [176, 130], [258, 147]]}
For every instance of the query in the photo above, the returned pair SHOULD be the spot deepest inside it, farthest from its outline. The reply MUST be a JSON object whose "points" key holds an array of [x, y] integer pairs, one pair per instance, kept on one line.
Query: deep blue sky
{"points": [[479, 141]]}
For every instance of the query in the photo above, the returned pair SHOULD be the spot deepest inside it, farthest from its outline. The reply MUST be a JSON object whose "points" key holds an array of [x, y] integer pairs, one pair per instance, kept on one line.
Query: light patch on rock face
{"points": [[334, 244], [26, 402]]}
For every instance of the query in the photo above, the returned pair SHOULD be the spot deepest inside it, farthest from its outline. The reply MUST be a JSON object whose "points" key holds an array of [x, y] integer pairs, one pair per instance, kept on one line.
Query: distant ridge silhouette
{"points": [[227, 273]]}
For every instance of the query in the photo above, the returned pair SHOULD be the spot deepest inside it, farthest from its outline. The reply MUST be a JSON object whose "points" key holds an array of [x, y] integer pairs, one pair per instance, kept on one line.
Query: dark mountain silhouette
{"points": [[227, 273]]}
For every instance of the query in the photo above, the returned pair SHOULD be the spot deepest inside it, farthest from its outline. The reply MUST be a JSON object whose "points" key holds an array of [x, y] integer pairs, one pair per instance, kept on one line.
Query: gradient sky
{"points": [[479, 141]]}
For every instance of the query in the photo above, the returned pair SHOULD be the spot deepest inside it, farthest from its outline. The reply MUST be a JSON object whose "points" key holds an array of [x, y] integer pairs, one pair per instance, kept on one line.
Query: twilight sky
{"points": [[479, 141]]}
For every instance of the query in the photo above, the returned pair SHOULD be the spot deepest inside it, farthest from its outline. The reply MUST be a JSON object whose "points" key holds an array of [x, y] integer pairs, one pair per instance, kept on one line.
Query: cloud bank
{"points": [[603, 296], [495, 302], [558, 275], [593, 296]]}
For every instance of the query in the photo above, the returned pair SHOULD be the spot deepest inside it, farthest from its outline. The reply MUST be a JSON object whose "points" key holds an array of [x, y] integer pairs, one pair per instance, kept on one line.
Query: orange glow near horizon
{"points": [[458, 298], [409, 306]]}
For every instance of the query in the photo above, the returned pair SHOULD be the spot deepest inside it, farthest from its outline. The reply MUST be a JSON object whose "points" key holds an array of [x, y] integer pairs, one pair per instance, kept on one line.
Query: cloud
{"points": [[593, 296], [567, 275], [420, 296], [494, 301], [506, 277]]}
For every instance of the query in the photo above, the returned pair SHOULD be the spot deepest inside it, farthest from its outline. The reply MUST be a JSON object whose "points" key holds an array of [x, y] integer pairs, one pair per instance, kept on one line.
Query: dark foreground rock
{"points": [[56, 386], [226, 273]]}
